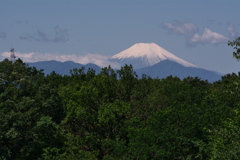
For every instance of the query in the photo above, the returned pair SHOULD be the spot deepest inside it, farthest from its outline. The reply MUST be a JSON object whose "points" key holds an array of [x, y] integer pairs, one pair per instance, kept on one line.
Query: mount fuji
{"points": [[156, 62], [142, 55]]}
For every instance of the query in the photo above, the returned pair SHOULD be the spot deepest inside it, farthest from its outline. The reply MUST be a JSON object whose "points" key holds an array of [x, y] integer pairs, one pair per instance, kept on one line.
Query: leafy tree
{"points": [[26, 128], [95, 119], [127, 80], [236, 46], [224, 140]]}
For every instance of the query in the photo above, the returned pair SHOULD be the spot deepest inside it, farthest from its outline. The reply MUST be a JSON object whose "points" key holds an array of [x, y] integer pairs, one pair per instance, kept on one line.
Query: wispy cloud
{"points": [[97, 59], [232, 31], [180, 28], [60, 36], [208, 36], [3, 35]]}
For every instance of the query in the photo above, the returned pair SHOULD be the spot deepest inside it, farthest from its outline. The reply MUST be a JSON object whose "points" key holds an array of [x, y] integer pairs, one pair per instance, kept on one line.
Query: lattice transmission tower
{"points": [[12, 57]]}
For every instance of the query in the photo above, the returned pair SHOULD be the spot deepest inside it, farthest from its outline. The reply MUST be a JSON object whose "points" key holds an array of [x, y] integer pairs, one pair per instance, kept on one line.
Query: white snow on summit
{"points": [[150, 53]]}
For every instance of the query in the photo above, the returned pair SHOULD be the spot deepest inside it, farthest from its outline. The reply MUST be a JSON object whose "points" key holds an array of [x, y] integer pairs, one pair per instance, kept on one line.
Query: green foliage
{"points": [[224, 140], [95, 119], [26, 128], [236, 46], [116, 115]]}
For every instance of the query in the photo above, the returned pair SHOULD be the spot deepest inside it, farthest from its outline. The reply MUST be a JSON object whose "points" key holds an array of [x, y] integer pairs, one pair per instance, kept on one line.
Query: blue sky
{"points": [[91, 30]]}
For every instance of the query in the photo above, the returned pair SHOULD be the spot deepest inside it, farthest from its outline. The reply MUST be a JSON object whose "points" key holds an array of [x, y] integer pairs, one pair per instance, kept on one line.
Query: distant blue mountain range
{"points": [[62, 68], [160, 70]]}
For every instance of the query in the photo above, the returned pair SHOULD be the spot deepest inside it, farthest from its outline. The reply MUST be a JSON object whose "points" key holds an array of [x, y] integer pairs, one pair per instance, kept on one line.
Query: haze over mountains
{"points": [[146, 58]]}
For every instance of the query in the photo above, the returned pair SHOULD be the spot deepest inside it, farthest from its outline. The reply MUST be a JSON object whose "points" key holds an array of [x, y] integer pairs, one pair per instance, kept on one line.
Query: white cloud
{"points": [[190, 32], [208, 36], [232, 31], [97, 59], [180, 28]]}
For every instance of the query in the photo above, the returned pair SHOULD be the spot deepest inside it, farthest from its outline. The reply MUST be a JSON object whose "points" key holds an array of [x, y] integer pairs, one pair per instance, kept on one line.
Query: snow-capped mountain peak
{"points": [[149, 54]]}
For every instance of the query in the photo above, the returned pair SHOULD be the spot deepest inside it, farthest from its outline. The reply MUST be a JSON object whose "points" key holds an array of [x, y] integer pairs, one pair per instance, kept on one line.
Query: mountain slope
{"points": [[166, 68], [142, 55]]}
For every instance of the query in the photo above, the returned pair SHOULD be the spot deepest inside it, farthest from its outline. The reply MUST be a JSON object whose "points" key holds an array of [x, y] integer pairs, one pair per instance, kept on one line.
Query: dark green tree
{"points": [[26, 128], [236, 46], [96, 120]]}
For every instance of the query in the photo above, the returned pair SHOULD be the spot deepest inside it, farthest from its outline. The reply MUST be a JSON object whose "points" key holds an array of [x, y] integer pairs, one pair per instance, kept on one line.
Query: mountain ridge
{"points": [[62, 68], [146, 58]]}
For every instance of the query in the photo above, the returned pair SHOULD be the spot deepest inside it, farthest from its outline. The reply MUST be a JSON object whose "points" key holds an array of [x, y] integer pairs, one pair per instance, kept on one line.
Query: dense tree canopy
{"points": [[116, 115]]}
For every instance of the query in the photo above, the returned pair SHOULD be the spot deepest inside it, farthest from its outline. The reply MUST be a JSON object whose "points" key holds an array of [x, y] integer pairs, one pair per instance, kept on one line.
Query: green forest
{"points": [[116, 115]]}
